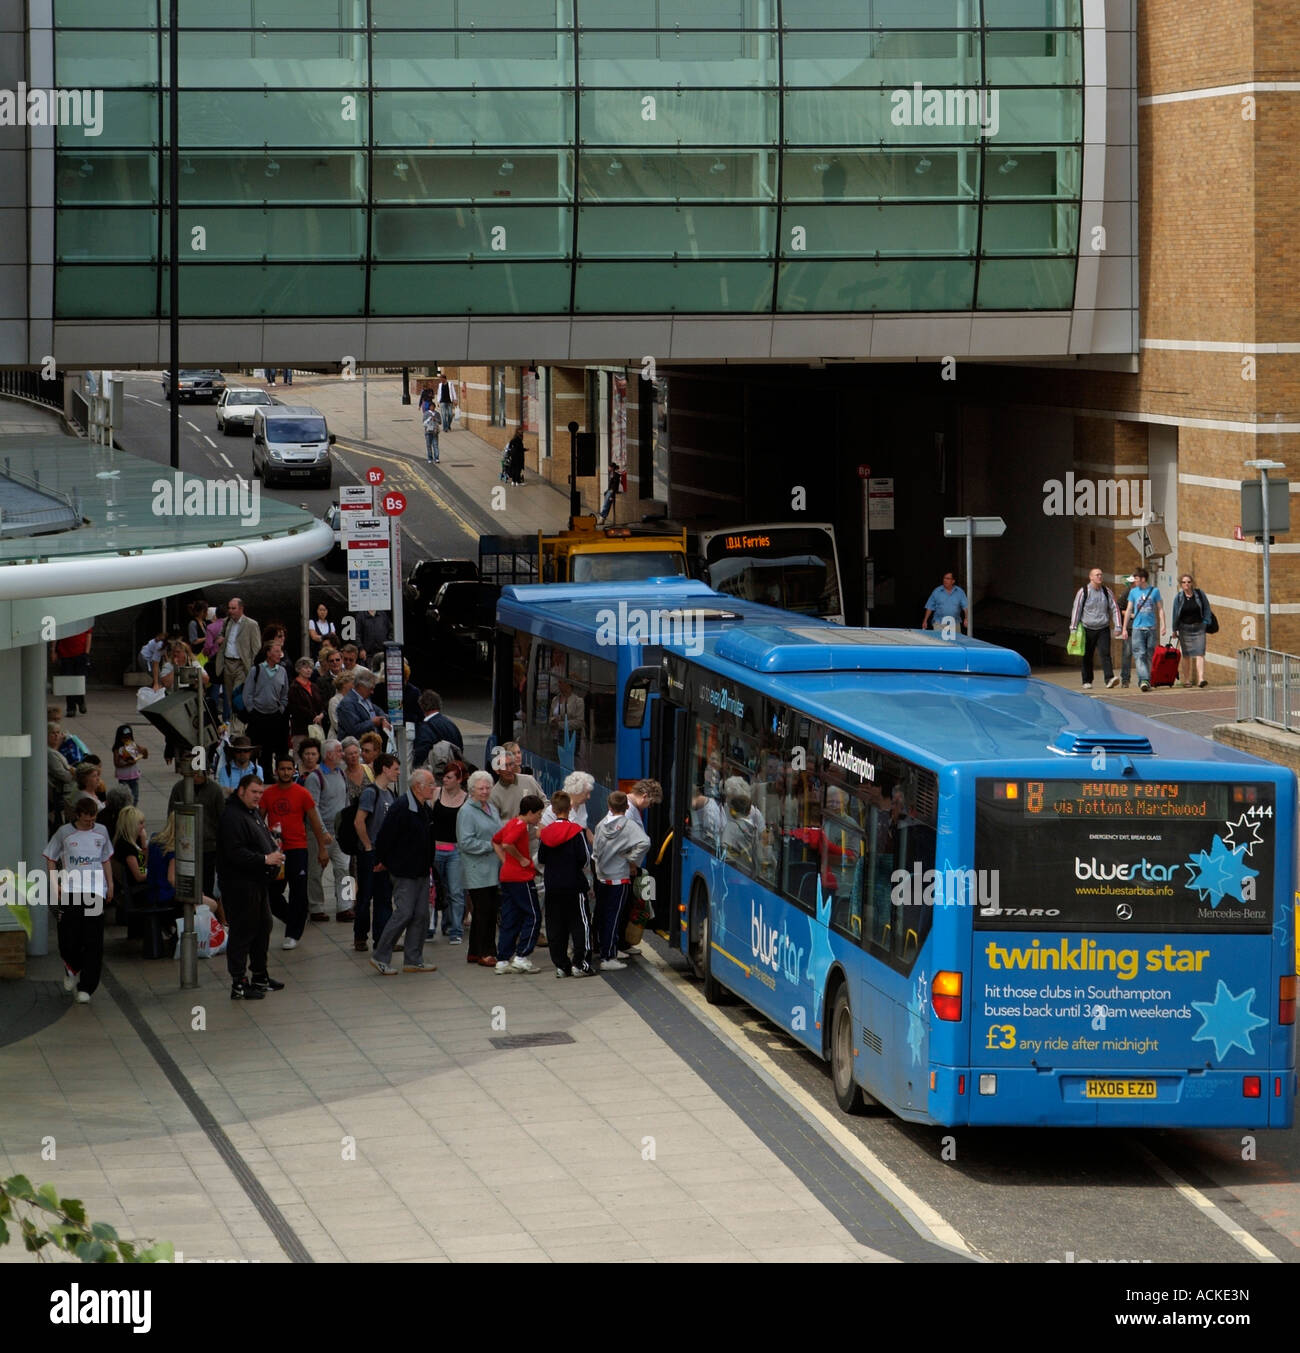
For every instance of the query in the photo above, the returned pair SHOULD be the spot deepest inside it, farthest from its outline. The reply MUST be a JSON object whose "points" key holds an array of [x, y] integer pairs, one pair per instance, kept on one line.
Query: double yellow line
{"points": [[409, 481]]}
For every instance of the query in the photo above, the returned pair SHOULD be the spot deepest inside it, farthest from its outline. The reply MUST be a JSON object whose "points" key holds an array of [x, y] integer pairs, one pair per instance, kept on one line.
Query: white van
{"points": [[292, 442]]}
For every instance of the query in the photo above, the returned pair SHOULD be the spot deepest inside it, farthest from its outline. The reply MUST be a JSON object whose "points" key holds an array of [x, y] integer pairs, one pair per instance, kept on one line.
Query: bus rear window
{"points": [[1124, 855]]}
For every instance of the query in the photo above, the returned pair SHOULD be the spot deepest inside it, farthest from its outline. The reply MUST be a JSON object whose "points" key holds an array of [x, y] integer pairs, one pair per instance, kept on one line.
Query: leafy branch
{"points": [[43, 1219]]}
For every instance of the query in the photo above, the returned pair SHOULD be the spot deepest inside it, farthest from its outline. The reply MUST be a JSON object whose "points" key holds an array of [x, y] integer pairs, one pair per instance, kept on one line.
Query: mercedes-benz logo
{"points": [[1124, 912]]}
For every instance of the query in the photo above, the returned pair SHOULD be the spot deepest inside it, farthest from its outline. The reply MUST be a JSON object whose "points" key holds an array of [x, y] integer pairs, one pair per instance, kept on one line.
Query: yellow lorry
{"points": [[585, 553]]}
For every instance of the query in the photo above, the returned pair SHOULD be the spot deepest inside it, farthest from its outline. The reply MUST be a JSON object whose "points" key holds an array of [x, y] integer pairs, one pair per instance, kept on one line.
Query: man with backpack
{"points": [[564, 854], [374, 886], [1097, 611], [435, 727], [328, 786]]}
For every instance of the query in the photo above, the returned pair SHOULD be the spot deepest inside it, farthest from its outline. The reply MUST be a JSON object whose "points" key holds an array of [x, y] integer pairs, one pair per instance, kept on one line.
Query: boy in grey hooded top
{"points": [[619, 848]]}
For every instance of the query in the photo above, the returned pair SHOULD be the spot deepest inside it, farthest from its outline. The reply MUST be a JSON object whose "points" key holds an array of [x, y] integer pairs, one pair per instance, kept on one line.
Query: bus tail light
{"points": [[1251, 1087], [945, 995], [1286, 1000]]}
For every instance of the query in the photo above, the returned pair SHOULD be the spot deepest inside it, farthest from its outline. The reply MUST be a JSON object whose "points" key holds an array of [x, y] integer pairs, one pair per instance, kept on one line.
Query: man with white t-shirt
{"points": [[80, 884], [322, 776]]}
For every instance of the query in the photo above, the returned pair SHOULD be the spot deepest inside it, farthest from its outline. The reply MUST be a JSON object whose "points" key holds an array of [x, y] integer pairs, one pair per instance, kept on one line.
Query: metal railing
{"points": [[30, 385], [1268, 688]]}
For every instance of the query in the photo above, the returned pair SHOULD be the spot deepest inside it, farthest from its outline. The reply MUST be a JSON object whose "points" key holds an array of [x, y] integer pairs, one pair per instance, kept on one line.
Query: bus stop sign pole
{"points": [[987, 528]]}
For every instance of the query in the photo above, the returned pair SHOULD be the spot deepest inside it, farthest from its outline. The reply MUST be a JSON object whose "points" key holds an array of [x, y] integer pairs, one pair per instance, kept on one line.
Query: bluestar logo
{"points": [[1095, 871]]}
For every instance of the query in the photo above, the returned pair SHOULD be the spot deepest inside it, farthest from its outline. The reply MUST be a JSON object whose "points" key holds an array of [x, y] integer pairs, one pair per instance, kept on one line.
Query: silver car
{"points": [[235, 409]]}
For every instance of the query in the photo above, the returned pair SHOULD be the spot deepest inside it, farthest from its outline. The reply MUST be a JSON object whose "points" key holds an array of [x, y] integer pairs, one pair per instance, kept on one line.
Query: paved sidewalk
{"points": [[351, 1117], [468, 475]]}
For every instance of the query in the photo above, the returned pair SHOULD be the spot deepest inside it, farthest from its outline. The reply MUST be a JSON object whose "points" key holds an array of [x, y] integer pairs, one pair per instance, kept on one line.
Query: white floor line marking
{"points": [[155, 403], [195, 426], [227, 459], [209, 441], [1207, 1208], [923, 1217]]}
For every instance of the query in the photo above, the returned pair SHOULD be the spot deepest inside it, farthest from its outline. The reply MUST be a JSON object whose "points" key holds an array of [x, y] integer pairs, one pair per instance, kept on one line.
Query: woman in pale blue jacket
{"points": [[476, 824]]}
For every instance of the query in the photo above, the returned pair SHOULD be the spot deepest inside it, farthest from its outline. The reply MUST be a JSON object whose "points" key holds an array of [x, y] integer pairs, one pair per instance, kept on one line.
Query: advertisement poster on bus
{"points": [[1123, 923]]}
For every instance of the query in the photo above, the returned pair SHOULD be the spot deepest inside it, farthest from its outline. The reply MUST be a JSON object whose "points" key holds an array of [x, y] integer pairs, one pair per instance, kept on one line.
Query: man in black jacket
{"points": [[247, 851], [435, 727], [404, 847]]}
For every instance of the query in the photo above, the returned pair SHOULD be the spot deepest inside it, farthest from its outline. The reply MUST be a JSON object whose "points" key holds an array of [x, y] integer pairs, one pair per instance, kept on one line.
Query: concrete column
{"points": [[30, 822]]}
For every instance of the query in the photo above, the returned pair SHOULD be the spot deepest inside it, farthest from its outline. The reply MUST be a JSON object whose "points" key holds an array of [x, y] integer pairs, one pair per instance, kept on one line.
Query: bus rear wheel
{"points": [[848, 1094], [702, 955]]}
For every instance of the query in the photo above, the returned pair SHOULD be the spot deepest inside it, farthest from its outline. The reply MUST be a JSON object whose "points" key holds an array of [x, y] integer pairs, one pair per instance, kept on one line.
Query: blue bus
{"points": [[983, 899], [576, 667]]}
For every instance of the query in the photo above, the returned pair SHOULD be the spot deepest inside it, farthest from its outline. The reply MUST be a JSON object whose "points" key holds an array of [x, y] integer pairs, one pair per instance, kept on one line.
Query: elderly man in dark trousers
{"points": [[248, 856], [404, 847]]}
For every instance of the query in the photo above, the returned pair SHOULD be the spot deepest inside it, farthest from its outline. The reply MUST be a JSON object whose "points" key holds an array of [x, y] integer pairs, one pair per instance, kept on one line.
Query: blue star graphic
{"points": [[1282, 927], [1228, 1021], [1243, 833], [819, 948], [1221, 872]]}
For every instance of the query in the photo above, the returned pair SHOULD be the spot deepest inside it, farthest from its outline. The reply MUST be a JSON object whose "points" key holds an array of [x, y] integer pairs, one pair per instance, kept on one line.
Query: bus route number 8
{"points": [[1034, 796]]}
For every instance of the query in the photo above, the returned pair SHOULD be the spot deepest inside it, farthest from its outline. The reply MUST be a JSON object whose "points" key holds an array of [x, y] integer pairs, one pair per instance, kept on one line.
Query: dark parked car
{"points": [[196, 385], [461, 623]]}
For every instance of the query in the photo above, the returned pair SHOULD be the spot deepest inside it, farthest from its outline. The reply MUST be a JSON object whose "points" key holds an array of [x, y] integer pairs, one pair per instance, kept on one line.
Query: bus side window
{"points": [[801, 855], [912, 921]]}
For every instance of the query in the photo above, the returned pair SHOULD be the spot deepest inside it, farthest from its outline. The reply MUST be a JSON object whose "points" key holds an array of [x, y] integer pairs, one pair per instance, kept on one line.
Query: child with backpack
{"points": [[564, 854]]}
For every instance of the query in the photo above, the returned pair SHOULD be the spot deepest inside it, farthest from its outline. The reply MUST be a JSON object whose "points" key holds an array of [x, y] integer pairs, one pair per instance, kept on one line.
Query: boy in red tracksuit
{"points": [[564, 853], [521, 912]]}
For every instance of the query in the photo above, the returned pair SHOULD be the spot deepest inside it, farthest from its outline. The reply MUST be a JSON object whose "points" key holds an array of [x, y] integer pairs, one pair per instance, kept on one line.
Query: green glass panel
{"points": [[1034, 58], [1026, 284], [125, 178], [631, 60], [498, 117], [282, 290], [1032, 13], [688, 231], [1031, 228], [723, 176], [275, 118], [912, 228], [224, 176], [105, 292], [106, 235], [105, 60], [450, 14], [893, 59], [96, 14], [251, 234], [864, 286], [857, 117], [1038, 115], [297, 61], [680, 13], [485, 233], [232, 14], [474, 288], [1014, 171], [673, 288], [437, 60], [689, 117], [129, 118], [515, 176], [878, 13], [838, 175]]}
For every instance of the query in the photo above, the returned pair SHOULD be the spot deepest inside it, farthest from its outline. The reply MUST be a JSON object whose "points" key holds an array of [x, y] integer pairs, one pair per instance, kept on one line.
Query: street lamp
{"points": [[1264, 466]]}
